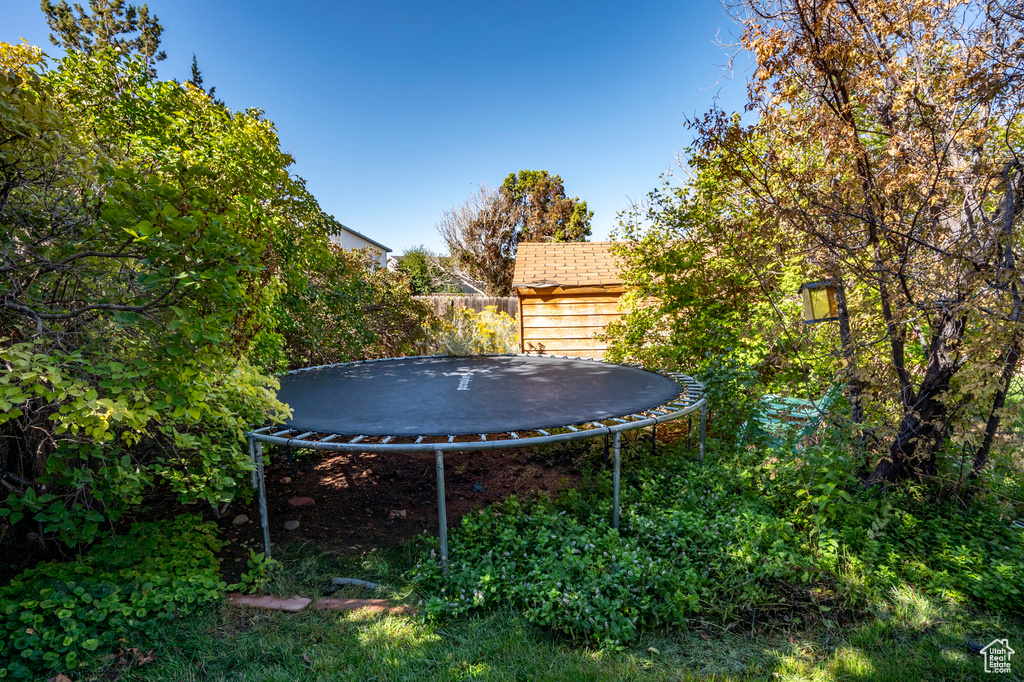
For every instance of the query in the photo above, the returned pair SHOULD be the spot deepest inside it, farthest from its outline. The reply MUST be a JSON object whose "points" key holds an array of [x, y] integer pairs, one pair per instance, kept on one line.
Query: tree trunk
{"points": [[854, 386], [1009, 369], [922, 423], [1014, 185]]}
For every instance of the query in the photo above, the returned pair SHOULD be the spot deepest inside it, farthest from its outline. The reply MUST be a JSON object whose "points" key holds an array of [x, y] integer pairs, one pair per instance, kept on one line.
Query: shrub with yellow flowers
{"points": [[463, 331]]}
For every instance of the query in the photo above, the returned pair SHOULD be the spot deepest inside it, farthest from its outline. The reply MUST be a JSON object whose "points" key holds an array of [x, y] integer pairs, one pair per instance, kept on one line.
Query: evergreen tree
{"points": [[197, 81], [107, 23], [545, 213]]}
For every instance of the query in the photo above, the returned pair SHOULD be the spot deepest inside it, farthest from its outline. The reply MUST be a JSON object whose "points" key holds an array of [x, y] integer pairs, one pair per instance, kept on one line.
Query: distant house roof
{"points": [[364, 237], [566, 264], [466, 286]]}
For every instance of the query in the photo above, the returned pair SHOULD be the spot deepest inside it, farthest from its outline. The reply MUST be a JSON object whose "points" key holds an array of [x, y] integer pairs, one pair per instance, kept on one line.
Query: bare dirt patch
{"points": [[365, 500]]}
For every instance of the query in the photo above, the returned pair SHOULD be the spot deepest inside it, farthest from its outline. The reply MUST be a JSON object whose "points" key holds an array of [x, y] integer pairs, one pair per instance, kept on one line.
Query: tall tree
{"points": [[482, 235], [545, 213], [889, 140], [107, 23]]}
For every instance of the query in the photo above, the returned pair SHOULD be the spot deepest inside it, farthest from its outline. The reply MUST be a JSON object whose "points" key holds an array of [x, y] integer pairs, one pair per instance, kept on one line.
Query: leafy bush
{"points": [[162, 259], [136, 374], [757, 529], [462, 331], [61, 616], [117, 436], [346, 307]]}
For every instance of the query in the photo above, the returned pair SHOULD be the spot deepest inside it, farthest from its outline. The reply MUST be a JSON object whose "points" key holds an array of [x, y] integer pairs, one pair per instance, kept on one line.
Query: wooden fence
{"points": [[440, 302]]}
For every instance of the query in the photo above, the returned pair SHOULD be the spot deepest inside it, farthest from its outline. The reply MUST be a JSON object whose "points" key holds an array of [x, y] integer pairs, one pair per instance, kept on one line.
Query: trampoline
{"points": [[441, 403]]}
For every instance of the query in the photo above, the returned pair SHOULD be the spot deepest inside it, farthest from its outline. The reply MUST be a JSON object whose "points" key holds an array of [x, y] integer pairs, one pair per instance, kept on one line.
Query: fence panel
{"points": [[440, 302]]}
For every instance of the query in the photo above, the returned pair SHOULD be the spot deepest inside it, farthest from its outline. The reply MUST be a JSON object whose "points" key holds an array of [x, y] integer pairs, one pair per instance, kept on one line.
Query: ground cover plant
{"points": [[62, 616], [768, 583], [760, 532]]}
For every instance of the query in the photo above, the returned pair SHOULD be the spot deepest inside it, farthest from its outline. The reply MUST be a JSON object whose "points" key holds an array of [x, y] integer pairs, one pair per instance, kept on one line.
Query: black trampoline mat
{"points": [[445, 396]]}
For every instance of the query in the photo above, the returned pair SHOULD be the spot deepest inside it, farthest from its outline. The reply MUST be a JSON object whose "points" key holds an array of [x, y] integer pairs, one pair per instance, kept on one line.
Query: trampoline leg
{"points": [[616, 448], [264, 521], [654, 439], [703, 430], [252, 458], [442, 515], [689, 433]]}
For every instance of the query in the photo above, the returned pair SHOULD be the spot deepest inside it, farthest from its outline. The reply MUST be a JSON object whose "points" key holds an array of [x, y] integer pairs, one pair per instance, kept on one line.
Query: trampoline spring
{"points": [[303, 435], [357, 439], [329, 438], [571, 428], [419, 439], [515, 436], [483, 437], [387, 440], [543, 432], [616, 419], [451, 439], [281, 433], [263, 430]]}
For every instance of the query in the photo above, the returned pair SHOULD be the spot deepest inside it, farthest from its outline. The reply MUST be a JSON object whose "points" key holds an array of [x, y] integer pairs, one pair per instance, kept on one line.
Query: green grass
{"points": [[908, 637]]}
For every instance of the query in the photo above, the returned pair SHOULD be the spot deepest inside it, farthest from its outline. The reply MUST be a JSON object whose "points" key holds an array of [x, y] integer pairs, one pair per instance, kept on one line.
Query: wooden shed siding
{"points": [[597, 320], [566, 323], [559, 346], [558, 308], [595, 354], [565, 334]]}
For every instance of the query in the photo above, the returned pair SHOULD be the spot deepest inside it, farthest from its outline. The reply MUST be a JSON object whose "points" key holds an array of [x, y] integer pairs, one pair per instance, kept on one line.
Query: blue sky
{"points": [[395, 111]]}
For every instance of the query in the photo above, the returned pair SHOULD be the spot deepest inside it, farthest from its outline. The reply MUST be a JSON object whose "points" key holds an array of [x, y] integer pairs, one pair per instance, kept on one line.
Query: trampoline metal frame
{"points": [[689, 400]]}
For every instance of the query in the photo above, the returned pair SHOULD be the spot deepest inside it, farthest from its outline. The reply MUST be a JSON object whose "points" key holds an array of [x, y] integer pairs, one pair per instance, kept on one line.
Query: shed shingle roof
{"points": [[568, 264]]}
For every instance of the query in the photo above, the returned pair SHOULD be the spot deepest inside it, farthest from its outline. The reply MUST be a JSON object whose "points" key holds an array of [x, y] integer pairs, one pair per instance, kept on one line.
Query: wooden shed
{"points": [[567, 293]]}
